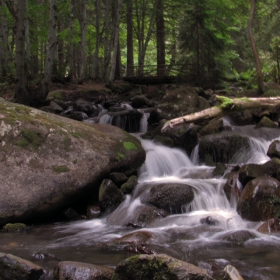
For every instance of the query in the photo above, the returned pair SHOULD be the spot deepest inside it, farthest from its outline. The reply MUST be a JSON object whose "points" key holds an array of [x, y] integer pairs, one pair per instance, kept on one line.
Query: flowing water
{"points": [[182, 236]]}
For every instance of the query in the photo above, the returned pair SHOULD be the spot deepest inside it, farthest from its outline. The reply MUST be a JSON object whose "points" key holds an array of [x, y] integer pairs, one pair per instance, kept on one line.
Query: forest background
{"points": [[209, 41]]}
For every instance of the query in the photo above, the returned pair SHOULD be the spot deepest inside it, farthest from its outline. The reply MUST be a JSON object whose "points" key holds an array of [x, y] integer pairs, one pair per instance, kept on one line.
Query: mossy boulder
{"points": [[266, 122], [15, 268], [78, 270], [15, 227], [109, 195], [158, 267], [48, 162], [260, 199], [129, 185], [171, 197], [222, 147]]}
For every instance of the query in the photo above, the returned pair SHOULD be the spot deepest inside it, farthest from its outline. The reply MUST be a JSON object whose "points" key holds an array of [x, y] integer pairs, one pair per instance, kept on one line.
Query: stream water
{"points": [[182, 236]]}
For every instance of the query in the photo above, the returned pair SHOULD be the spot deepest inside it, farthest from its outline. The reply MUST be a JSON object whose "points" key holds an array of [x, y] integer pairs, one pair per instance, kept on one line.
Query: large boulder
{"points": [[180, 102], [260, 199], [172, 197], [48, 162], [158, 267], [222, 147], [12, 267], [76, 271]]}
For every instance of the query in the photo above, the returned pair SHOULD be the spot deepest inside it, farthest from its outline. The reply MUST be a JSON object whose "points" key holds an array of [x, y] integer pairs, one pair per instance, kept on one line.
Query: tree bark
{"points": [[95, 67], [107, 49], [116, 40], [51, 47], [21, 93], [227, 107], [4, 46], [129, 39], [71, 43], [160, 32], [254, 48]]}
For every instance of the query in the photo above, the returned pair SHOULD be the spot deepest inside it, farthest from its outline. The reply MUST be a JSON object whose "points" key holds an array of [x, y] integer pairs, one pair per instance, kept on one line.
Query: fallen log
{"points": [[226, 107]]}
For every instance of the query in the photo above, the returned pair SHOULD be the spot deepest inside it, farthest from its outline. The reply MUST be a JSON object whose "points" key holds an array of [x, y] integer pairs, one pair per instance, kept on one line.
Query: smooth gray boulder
{"points": [[48, 162]]}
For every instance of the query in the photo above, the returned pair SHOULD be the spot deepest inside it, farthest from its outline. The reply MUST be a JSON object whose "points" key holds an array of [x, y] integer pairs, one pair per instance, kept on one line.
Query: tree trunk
{"points": [[83, 43], [116, 41], [27, 44], [4, 47], [71, 43], [254, 49], [227, 107], [21, 93], [160, 34], [107, 49], [51, 47], [129, 39], [95, 68]]}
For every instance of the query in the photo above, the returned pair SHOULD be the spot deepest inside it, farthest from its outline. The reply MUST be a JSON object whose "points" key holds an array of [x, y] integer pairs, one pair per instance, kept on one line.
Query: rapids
{"points": [[182, 236]]}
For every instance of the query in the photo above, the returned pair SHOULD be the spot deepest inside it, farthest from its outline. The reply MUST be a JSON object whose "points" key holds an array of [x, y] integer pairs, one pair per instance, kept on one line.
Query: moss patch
{"points": [[30, 137], [60, 168], [129, 146], [15, 227]]}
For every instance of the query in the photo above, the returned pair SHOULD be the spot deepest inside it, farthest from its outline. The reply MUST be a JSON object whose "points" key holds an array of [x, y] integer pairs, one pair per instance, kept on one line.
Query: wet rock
{"points": [[232, 188], [129, 186], [84, 106], [118, 178], [260, 199], [140, 249], [249, 172], [71, 215], [266, 122], [140, 101], [215, 126], [219, 170], [274, 149], [222, 147], [231, 273], [172, 197], [53, 162], [209, 221], [77, 115], [158, 267], [93, 211], [12, 267], [135, 238], [77, 271], [109, 195], [57, 108], [270, 226], [238, 237]]}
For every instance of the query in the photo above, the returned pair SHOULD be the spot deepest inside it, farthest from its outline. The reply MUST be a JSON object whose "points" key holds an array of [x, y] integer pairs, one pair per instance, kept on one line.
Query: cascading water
{"points": [[202, 234]]}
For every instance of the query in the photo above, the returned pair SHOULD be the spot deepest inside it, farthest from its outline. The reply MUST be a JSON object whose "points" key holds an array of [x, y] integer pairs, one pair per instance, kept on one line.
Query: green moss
{"points": [[15, 227], [227, 103], [120, 156], [60, 168], [75, 161], [57, 95], [129, 146], [30, 137]]}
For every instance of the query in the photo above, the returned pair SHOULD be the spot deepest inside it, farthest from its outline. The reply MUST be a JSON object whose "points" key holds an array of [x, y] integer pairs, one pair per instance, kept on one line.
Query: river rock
{"points": [[135, 238], [180, 102], [48, 162], [274, 149], [129, 186], [232, 187], [231, 273], [260, 199], [15, 268], [266, 122], [81, 271], [238, 237], [140, 101], [214, 126], [118, 178], [109, 195], [270, 226], [171, 197], [84, 106], [158, 267], [222, 147], [249, 172]]}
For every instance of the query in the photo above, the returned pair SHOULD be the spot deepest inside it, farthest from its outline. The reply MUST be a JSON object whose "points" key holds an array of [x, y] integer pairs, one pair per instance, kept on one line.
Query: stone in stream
{"points": [[231, 273], [270, 226], [158, 267], [15, 268], [81, 271]]}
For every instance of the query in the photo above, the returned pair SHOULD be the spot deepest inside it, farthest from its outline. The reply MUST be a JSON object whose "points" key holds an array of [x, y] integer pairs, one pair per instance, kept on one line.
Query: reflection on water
{"points": [[224, 239]]}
